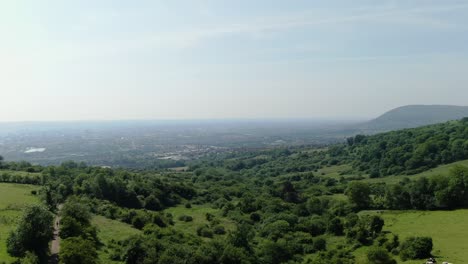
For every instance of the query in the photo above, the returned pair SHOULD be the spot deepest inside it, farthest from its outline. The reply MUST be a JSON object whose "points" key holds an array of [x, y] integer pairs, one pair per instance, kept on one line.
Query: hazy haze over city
{"points": [[94, 60]]}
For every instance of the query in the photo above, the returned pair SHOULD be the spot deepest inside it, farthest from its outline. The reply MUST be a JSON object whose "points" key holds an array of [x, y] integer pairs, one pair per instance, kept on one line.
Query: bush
{"points": [[416, 248], [379, 255], [30, 258], [219, 230], [320, 244], [76, 250], [185, 218], [34, 231], [255, 217], [204, 231]]}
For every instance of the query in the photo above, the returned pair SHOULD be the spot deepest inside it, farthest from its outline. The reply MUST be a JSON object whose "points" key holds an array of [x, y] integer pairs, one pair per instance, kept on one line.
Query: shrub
{"points": [[219, 230], [320, 244], [377, 255], [185, 218], [204, 231], [255, 217], [416, 248], [76, 250]]}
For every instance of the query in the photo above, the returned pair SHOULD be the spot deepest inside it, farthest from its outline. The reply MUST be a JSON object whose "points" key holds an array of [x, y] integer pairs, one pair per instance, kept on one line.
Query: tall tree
{"points": [[33, 233]]}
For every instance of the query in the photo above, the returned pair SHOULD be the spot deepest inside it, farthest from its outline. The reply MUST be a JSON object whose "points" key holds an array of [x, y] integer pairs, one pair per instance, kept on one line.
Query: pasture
{"points": [[13, 199], [198, 213], [111, 230], [448, 229]]}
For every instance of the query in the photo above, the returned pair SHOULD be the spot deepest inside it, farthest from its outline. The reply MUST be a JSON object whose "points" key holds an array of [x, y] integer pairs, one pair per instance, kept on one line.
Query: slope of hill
{"points": [[410, 151], [415, 115]]}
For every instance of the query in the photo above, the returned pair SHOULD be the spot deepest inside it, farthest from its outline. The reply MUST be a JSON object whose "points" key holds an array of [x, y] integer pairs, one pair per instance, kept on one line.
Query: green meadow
{"points": [[198, 213], [13, 199], [448, 229], [109, 230]]}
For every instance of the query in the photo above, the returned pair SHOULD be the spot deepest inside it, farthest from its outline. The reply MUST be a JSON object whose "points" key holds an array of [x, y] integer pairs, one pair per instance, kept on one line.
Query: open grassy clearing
{"points": [[440, 170], [111, 230], [13, 199], [339, 171], [448, 229], [336, 171], [199, 218]]}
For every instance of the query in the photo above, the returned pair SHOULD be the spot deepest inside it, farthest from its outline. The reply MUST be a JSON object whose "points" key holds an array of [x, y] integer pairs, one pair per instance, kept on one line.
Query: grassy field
{"points": [[111, 229], [448, 229], [441, 170], [13, 199], [199, 218], [336, 171]]}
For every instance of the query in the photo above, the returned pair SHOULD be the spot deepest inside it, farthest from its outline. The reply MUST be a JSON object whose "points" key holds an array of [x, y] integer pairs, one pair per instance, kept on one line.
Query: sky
{"points": [[216, 59]]}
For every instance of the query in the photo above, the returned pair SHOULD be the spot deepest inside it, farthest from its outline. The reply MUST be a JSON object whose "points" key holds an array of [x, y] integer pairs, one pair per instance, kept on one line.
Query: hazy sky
{"points": [[109, 59]]}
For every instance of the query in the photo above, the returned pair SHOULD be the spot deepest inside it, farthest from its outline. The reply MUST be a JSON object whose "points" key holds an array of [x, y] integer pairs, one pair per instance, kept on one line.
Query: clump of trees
{"points": [[80, 242], [416, 248], [409, 151], [31, 238]]}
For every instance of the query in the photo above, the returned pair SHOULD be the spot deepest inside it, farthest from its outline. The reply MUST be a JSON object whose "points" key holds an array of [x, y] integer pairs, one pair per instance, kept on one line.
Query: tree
{"points": [[359, 194], [153, 203], [335, 226], [289, 193], [376, 224], [242, 236], [135, 252], [377, 255], [76, 250], [77, 211], [34, 231], [416, 248], [30, 258]]}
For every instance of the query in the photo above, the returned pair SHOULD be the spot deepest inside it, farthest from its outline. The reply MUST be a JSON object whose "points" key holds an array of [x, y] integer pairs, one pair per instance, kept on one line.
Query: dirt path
{"points": [[55, 245]]}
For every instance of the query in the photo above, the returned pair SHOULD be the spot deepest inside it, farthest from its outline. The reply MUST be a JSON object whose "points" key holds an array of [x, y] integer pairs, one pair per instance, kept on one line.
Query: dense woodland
{"points": [[281, 208]]}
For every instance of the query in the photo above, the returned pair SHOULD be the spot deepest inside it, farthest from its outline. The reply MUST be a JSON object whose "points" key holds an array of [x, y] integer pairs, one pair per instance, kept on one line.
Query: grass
{"points": [[334, 171], [199, 218], [440, 170], [111, 230], [448, 229], [13, 199]]}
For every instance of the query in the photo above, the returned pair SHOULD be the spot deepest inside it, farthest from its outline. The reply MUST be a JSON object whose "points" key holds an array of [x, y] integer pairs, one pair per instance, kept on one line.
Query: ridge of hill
{"points": [[411, 116]]}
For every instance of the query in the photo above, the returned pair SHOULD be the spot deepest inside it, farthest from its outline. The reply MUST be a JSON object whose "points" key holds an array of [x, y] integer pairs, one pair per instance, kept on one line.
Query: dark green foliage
{"points": [[410, 151], [340, 256], [416, 248], [30, 258], [185, 218], [359, 194], [76, 221], [275, 252], [363, 229], [444, 192], [153, 203], [34, 231], [219, 230], [242, 236], [377, 255], [335, 226], [76, 250], [205, 231]]}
